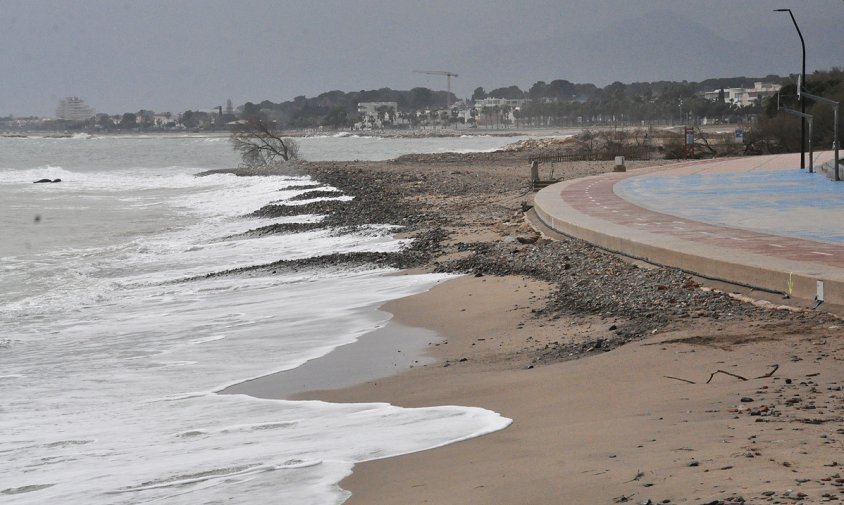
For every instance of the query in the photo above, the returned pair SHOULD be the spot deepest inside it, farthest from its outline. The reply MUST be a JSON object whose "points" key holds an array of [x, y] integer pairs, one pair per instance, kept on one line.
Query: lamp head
{"points": [[782, 10]]}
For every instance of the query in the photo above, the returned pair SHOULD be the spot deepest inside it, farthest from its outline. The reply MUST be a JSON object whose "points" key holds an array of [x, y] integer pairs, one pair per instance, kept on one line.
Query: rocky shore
{"points": [[640, 424], [466, 213]]}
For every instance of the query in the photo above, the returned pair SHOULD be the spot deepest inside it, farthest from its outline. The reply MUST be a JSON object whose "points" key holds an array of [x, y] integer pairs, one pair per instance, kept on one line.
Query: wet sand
{"points": [[616, 426], [391, 349]]}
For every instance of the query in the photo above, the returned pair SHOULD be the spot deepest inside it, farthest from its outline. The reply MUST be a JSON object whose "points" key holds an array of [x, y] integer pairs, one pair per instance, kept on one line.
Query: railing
{"points": [[631, 153]]}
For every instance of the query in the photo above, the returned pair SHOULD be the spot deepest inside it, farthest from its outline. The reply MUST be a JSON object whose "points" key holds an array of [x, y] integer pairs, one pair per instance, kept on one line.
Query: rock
{"points": [[310, 195], [428, 205], [693, 462], [40, 181], [746, 399]]}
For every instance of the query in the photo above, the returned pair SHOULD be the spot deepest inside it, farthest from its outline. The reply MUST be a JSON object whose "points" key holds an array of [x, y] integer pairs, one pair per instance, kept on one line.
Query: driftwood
{"points": [[769, 374], [776, 367], [725, 373], [639, 475], [679, 379]]}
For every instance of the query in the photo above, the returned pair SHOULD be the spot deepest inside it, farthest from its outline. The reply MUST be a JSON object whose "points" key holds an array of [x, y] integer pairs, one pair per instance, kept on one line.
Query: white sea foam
{"points": [[110, 367]]}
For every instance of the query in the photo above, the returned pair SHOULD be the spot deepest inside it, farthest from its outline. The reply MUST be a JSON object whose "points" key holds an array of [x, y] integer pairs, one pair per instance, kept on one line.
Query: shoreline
{"points": [[600, 362], [389, 349], [387, 133], [584, 430]]}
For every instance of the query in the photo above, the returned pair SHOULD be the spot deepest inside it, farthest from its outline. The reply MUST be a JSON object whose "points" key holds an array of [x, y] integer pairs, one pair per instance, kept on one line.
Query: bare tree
{"points": [[702, 139], [261, 143]]}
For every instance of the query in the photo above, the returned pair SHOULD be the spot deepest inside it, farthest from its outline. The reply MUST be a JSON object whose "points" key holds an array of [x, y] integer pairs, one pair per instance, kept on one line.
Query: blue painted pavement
{"points": [[791, 203]]}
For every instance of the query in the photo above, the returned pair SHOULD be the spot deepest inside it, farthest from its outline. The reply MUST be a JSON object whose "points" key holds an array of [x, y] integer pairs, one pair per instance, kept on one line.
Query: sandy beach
{"points": [[617, 426], [625, 382]]}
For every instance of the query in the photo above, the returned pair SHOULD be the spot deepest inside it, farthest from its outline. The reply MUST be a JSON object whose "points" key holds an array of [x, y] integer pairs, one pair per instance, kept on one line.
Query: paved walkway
{"points": [[758, 221]]}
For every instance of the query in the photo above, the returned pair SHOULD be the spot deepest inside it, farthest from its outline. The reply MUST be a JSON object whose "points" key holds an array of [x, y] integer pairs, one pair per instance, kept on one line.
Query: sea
{"points": [[114, 344]]}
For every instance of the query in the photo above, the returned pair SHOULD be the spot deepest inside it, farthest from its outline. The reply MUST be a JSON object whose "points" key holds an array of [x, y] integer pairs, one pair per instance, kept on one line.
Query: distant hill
{"points": [[658, 45]]}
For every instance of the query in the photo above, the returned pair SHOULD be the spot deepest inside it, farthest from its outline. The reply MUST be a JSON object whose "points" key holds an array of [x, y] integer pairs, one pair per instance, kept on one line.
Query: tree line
{"points": [[555, 103], [558, 103], [776, 132]]}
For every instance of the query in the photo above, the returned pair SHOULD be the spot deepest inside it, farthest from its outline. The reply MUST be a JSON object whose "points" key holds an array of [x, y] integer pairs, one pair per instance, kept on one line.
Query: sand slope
{"points": [[612, 426]]}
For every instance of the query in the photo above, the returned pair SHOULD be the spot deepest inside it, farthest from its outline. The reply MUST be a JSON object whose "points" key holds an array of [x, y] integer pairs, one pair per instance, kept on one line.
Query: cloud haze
{"points": [[174, 55]]}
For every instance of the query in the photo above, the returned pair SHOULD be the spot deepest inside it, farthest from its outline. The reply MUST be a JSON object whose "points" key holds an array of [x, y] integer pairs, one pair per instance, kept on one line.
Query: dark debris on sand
{"points": [[433, 198]]}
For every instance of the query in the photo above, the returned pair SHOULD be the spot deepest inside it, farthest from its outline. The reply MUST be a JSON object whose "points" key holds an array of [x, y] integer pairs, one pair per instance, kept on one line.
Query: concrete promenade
{"points": [[755, 221]]}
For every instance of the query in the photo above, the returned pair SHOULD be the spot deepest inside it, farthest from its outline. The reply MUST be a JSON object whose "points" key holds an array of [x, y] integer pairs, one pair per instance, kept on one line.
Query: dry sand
{"points": [[611, 427], [637, 424]]}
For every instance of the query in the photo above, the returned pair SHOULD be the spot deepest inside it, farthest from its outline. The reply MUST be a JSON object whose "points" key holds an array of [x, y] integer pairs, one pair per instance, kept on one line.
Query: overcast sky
{"points": [[125, 55]]}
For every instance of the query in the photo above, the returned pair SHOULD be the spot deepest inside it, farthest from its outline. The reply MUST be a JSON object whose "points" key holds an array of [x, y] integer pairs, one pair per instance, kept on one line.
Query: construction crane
{"points": [[446, 73]]}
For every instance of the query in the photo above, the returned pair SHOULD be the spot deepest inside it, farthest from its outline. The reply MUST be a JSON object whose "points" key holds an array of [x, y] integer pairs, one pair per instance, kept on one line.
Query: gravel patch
{"points": [[466, 214]]}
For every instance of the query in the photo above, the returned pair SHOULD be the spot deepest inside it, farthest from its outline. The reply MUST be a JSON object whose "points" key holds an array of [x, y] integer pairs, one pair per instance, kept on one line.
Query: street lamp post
{"points": [[810, 118], [835, 143], [802, 102]]}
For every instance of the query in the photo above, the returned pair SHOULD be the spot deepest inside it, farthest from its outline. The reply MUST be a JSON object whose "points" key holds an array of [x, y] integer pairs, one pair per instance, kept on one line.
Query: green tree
{"points": [[129, 120], [510, 92], [560, 89], [145, 118], [338, 117], [105, 122], [188, 119], [250, 110], [537, 91], [421, 98]]}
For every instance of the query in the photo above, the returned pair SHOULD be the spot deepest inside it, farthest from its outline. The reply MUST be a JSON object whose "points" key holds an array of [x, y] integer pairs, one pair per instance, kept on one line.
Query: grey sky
{"points": [[174, 55]]}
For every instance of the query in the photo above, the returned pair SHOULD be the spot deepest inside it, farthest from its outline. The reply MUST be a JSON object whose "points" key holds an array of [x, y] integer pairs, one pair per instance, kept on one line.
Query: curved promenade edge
{"points": [[599, 210]]}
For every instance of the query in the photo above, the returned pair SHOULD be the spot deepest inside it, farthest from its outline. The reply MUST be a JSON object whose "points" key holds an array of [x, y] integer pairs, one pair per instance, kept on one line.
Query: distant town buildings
{"points": [[72, 108], [373, 108], [377, 114], [484, 103], [744, 96], [637, 104]]}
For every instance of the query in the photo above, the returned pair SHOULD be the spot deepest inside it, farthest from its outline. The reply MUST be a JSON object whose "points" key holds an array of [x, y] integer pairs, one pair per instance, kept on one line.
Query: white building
{"points": [[499, 102], [371, 113], [72, 108], [162, 118], [371, 108], [744, 96]]}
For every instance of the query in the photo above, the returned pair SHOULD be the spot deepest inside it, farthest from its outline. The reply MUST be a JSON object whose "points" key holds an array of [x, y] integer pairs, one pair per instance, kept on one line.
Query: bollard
{"points": [[619, 164]]}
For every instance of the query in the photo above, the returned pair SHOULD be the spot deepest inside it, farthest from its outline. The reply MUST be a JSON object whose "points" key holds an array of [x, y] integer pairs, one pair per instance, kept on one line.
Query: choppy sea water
{"points": [[109, 359]]}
